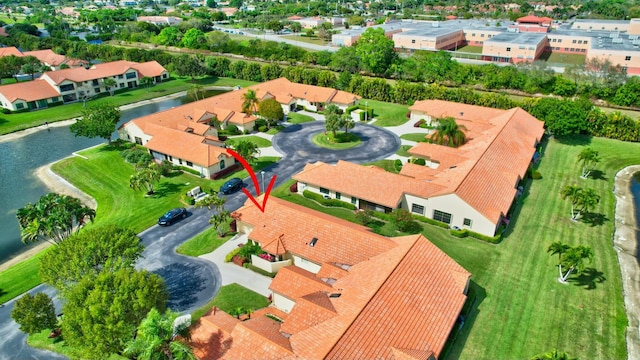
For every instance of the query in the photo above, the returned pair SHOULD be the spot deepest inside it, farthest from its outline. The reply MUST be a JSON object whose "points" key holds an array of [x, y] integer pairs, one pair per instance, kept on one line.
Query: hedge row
{"points": [[462, 233], [327, 202]]}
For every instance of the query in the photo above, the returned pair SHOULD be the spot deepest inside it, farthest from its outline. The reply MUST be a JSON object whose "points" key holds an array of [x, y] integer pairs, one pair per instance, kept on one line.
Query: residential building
{"points": [[73, 84], [310, 22], [514, 47], [160, 20], [345, 289], [46, 57], [470, 187]]}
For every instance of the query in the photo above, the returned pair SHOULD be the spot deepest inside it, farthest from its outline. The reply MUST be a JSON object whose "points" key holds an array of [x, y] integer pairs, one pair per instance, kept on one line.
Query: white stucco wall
{"points": [[282, 302], [305, 264], [458, 209], [343, 197], [417, 115]]}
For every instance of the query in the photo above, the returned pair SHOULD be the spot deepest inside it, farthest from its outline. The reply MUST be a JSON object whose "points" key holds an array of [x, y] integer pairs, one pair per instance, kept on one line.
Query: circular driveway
{"points": [[295, 143]]}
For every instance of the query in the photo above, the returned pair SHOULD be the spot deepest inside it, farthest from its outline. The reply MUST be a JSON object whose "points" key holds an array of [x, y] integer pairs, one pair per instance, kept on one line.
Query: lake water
{"points": [[19, 159]]}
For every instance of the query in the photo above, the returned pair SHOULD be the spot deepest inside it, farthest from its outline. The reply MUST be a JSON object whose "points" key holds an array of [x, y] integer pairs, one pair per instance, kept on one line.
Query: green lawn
{"points": [[20, 278], [230, 297], [471, 49], [417, 137], [203, 243], [20, 121], [565, 59], [387, 114], [387, 165], [295, 118], [311, 40], [344, 140], [403, 150], [41, 341], [261, 142]]}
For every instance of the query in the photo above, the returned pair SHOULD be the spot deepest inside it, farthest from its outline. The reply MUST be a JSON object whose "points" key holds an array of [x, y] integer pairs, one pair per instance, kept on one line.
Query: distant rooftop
{"points": [[518, 38]]}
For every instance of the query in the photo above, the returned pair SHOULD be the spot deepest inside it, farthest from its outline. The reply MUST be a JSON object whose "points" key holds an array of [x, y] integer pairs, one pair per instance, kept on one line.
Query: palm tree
{"points": [[574, 261], [250, 101], [449, 133], [588, 200], [146, 82], [219, 221], [212, 201], [553, 355], [574, 194], [196, 91], [589, 158], [145, 178], [559, 248], [158, 338], [110, 85], [347, 122]]}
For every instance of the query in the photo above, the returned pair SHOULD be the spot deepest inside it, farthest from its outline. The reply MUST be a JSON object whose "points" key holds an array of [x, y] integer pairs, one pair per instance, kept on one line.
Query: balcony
{"points": [[267, 265]]}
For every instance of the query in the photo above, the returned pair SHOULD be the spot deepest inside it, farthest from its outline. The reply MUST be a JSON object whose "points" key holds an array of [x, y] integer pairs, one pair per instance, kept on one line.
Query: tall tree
{"points": [[558, 247], [158, 338], [271, 111], [146, 82], [588, 157], [347, 122], [449, 133], [219, 221], [145, 179], [247, 149], [574, 194], [196, 92], [98, 120], [574, 260], [101, 313], [110, 85], [213, 200], [588, 200], [88, 253], [250, 102], [53, 218], [34, 313], [375, 50]]}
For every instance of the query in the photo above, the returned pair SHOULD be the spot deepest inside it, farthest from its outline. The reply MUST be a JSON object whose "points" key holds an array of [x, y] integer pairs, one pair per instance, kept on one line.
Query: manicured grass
{"points": [[471, 49], [295, 118], [387, 114], [340, 142], [387, 165], [634, 114], [417, 137], [566, 59], [20, 278], [203, 243], [20, 121], [275, 130], [230, 298], [403, 150], [525, 310], [311, 40], [261, 142], [41, 341]]}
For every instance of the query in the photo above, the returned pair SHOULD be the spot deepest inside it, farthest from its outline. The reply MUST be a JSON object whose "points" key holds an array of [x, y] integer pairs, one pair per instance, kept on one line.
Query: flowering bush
{"points": [[267, 257]]}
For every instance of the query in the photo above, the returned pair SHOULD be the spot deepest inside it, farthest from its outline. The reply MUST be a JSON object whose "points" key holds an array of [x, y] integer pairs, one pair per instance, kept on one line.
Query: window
{"points": [[121, 85], [55, 99], [138, 141], [19, 106], [131, 75], [324, 191], [559, 40], [579, 41], [417, 209], [481, 35], [120, 76], [67, 87], [180, 161], [627, 58], [353, 200], [554, 40], [189, 163], [97, 90], [508, 49], [338, 195], [222, 165], [574, 41], [413, 41], [473, 34], [442, 216], [466, 222], [95, 82], [164, 76], [586, 42]]}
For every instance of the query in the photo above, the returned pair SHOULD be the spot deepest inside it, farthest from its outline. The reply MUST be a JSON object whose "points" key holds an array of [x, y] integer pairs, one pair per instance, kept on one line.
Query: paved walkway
{"points": [[232, 273]]}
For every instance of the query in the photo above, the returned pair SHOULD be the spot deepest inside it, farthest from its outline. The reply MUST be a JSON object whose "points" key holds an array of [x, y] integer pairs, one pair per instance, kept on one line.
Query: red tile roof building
{"points": [[471, 187], [398, 299]]}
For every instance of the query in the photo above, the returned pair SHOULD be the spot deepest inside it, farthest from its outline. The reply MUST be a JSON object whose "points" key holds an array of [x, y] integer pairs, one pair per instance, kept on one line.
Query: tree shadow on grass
{"points": [[3, 121], [462, 328], [594, 219], [588, 278], [597, 175], [166, 189]]}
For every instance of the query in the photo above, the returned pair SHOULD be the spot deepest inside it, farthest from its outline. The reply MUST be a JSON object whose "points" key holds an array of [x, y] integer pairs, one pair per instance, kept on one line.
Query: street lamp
{"points": [[366, 111], [262, 173]]}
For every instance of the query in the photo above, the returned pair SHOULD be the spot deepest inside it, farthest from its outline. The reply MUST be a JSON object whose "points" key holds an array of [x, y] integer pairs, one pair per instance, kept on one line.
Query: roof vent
{"points": [[313, 242], [461, 113], [335, 295]]}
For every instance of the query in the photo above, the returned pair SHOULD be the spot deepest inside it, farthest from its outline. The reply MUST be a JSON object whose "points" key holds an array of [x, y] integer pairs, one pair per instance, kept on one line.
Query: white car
{"points": [[200, 196]]}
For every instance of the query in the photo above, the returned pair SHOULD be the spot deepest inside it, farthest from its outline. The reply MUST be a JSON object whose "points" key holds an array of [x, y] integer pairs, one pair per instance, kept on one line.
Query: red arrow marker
{"points": [[255, 181]]}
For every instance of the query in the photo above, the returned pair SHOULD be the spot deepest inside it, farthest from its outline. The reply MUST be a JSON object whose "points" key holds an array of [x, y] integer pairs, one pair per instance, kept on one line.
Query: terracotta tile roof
{"points": [[11, 50], [276, 246], [370, 183], [211, 336], [29, 91], [284, 91], [459, 111], [330, 272], [310, 310], [258, 338], [415, 309], [339, 241], [183, 145], [294, 282], [100, 71], [47, 56], [411, 354]]}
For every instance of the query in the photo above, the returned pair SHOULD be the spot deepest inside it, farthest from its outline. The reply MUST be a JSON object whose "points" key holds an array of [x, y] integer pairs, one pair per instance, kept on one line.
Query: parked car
{"points": [[231, 186], [172, 216], [201, 196]]}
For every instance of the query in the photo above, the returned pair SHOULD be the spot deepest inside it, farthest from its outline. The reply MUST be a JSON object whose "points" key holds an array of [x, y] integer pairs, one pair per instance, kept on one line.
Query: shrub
{"points": [[419, 123], [189, 170], [461, 233], [247, 132], [230, 255], [136, 155], [165, 168], [259, 271], [419, 161], [490, 239], [388, 229], [233, 130], [188, 200], [535, 175], [250, 249], [397, 165], [263, 128], [327, 202], [5, 111], [403, 221], [364, 216], [431, 221], [381, 215]]}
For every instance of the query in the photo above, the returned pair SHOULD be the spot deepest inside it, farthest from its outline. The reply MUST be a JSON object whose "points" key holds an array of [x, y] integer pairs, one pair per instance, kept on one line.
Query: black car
{"points": [[172, 216], [231, 186]]}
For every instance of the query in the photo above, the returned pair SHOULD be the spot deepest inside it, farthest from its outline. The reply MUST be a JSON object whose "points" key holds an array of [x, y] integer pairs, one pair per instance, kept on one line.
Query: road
{"points": [[191, 281]]}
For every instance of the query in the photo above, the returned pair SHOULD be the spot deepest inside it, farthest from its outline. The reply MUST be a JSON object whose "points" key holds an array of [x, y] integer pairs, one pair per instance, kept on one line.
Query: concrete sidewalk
{"points": [[232, 273]]}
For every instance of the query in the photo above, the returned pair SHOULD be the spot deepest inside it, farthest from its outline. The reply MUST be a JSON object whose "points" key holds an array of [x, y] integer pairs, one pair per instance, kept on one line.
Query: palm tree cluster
{"points": [[572, 258], [159, 336], [145, 178], [448, 132], [53, 218], [582, 200], [222, 215], [335, 121], [589, 158]]}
